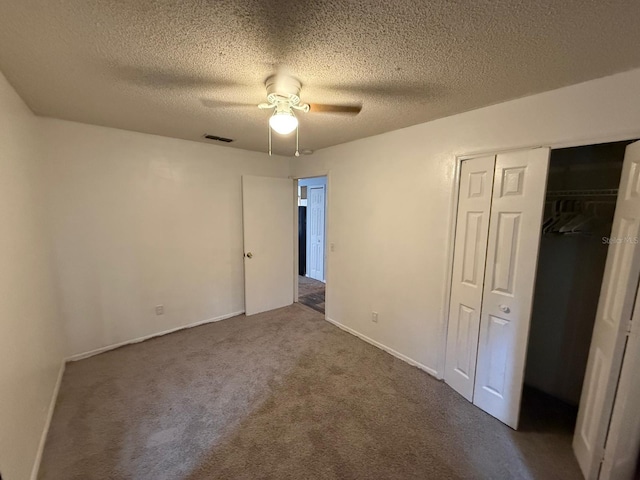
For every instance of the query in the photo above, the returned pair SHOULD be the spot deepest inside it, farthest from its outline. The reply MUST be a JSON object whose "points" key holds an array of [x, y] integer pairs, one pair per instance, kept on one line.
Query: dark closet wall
{"points": [[569, 276]]}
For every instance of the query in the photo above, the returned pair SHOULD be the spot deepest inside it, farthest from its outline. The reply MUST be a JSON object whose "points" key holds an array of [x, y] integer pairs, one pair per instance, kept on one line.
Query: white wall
{"points": [[31, 342], [392, 238], [141, 220]]}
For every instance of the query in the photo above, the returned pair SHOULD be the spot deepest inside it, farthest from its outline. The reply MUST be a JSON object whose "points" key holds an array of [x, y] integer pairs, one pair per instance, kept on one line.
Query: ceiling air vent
{"points": [[217, 138]]}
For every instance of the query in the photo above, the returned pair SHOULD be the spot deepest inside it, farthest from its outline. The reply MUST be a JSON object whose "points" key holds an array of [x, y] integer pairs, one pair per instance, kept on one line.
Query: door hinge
{"points": [[629, 328]]}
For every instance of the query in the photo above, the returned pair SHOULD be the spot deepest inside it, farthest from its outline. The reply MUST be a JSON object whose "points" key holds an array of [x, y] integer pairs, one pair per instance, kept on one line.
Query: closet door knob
{"points": [[504, 308], [249, 255]]}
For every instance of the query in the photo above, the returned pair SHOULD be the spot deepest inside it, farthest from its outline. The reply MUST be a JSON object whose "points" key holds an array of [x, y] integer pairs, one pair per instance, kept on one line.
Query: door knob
{"points": [[249, 255], [504, 308]]}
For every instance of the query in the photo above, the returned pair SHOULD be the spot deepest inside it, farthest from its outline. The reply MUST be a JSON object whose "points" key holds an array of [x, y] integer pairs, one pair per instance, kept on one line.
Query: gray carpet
{"points": [[280, 395], [311, 293]]}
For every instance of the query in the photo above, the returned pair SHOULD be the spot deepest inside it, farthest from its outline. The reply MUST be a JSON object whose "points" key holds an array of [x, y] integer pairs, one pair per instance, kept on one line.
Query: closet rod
{"points": [[611, 192]]}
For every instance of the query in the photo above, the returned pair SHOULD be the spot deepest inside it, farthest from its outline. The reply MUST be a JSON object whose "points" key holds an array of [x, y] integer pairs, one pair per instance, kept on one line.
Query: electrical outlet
{"points": [[374, 317], [159, 309]]}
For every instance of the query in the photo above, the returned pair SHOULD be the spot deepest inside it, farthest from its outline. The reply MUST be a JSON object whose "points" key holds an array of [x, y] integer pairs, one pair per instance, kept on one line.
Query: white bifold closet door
{"points": [[472, 231], [623, 442], [610, 335], [493, 278], [512, 255]]}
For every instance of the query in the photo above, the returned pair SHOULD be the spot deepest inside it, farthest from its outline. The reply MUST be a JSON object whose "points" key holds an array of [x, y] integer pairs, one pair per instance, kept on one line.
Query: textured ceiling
{"points": [[178, 68]]}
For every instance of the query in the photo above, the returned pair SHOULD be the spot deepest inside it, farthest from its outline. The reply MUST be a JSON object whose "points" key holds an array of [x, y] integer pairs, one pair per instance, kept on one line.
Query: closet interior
{"points": [[582, 187]]}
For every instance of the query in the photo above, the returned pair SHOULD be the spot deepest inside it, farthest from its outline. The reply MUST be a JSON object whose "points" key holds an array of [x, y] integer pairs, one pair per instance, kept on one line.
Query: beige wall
{"points": [[31, 340], [141, 220], [390, 203]]}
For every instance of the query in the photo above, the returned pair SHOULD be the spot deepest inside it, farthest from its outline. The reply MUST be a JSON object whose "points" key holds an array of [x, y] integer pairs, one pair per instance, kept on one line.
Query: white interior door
{"points": [[615, 306], [512, 255], [315, 231], [623, 440], [472, 230], [268, 242]]}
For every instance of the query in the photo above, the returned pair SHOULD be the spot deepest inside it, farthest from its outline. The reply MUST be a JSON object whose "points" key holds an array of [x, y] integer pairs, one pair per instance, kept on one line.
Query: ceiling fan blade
{"points": [[208, 102], [343, 109], [409, 91], [163, 78]]}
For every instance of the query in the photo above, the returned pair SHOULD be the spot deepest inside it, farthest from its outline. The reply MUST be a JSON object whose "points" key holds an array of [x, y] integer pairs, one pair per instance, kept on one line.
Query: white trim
{"points": [[631, 135], [453, 214], [381, 346], [91, 353], [327, 198], [304, 177], [296, 240], [47, 424]]}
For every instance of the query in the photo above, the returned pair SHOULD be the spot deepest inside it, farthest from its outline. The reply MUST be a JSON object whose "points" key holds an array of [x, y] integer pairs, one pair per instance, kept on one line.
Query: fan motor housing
{"points": [[283, 89]]}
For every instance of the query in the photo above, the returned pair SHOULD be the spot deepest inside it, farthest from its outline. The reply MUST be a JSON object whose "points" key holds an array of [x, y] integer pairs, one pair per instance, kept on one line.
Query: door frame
{"points": [[327, 200], [453, 212]]}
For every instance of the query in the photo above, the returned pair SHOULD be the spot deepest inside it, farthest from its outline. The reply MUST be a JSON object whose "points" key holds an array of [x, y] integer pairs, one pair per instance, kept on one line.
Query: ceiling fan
{"points": [[283, 96]]}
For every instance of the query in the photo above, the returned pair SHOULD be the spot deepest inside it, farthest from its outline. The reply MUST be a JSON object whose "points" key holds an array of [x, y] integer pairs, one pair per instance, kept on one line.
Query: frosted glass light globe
{"points": [[283, 122]]}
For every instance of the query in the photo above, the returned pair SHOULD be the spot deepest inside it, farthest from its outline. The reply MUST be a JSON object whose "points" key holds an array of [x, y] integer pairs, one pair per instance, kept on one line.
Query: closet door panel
{"points": [[472, 228], [615, 306], [623, 441], [512, 254]]}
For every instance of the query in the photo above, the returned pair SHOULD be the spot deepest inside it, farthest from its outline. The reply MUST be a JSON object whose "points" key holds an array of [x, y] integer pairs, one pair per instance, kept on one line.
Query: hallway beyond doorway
{"points": [[311, 293]]}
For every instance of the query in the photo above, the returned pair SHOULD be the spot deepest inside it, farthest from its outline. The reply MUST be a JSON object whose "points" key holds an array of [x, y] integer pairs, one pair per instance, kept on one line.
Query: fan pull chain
{"points": [[297, 136], [269, 127]]}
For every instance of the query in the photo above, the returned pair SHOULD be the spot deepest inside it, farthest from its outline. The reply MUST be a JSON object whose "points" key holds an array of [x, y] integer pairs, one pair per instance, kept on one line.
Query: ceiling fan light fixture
{"points": [[283, 122]]}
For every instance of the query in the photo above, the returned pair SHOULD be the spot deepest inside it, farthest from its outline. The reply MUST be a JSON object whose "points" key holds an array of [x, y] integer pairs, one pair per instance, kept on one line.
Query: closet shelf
{"points": [[611, 192]]}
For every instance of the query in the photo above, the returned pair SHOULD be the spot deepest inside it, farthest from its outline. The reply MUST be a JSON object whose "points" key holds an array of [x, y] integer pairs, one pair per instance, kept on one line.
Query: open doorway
{"points": [[582, 190], [312, 206]]}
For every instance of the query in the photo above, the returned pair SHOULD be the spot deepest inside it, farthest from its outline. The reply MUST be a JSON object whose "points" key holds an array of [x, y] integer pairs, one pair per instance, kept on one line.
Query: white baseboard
{"points": [[47, 424], [80, 356], [381, 346]]}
